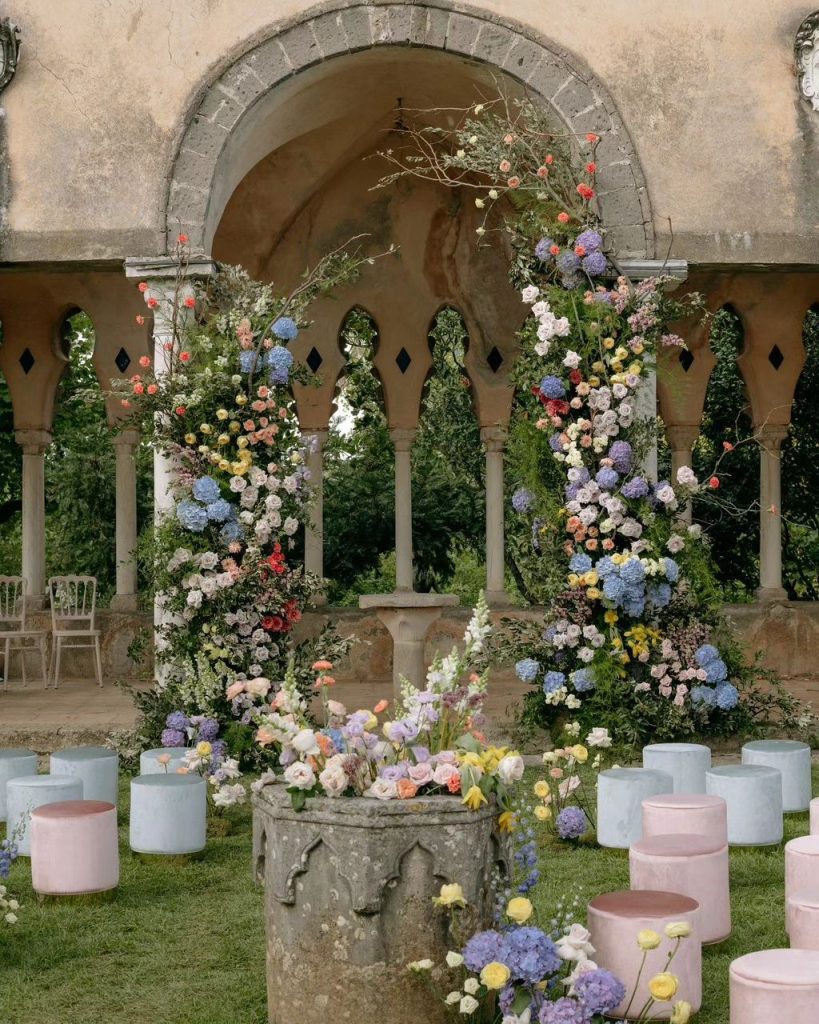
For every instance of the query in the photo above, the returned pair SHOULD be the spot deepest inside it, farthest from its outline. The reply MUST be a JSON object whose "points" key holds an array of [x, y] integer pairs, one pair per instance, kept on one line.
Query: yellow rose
{"points": [[224, 465], [591, 577], [204, 748], [223, 439], [474, 798], [239, 468], [608, 342], [519, 909], [543, 813], [681, 1013], [648, 939], [214, 458], [495, 975], [663, 986], [573, 579], [205, 428], [541, 788], [242, 442], [222, 414], [451, 895], [580, 753], [246, 455], [190, 438], [636, 369], [678, 930], [233, 427], [241, 399]]}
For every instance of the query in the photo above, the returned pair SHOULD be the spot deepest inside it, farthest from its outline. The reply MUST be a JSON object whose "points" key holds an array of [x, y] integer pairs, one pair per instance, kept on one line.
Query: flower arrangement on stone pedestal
{"points": [[634, 639]]}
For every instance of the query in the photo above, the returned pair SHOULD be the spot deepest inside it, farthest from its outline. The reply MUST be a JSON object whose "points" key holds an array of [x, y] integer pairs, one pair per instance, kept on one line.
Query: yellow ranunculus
{"points": [[580, 753], [190, 438], [648, 939], [681, 1014], [591, 577], [203, 748], [495, 975], [608, 342], [519, 909], [594, 382], [541, 788], [663, 986], [222, 414], [543, 813], [506, 821], [678, 930], [451, 895], [474, 798]]}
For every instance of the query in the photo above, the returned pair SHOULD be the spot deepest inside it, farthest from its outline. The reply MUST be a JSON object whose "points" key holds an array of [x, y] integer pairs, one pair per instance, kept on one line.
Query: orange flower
{"points": [[382, 705], [264, 736], [713, 483], [190, 301], [591, 167], [152, 389], [185, 357], [140, 319], [513, 182], [144, 361], [591, 137], [325, 744], [727, 446], [454, 784], [153, 303], [406, 789], [322, 665], [563, 217]]}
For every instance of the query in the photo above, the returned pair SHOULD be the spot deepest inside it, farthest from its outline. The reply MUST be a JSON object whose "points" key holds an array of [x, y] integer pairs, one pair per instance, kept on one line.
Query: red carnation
{"points": [[563, 218], [182, 239], [727, 446], [143, 286], [591, 167], [713, 483], [591, 137], [575, 376], [190, 301], [585, 192], [554, 249], [185, 357], [180, 410], [152, 303]]}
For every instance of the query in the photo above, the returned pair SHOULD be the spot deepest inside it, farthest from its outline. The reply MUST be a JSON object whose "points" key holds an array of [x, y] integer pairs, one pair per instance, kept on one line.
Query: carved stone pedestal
{"points": [[348, 900]]}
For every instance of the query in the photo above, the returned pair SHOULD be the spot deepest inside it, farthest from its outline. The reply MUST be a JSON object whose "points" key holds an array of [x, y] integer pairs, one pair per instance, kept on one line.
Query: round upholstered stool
{"points": [[802, 913], [168, 814], [616, 918], [28, 792], [74, 848], [753, 795], [620, 795], [14, 762], [149, 763], [695, 866], [686, 763], [98, 767], [775, 985], [693, 813], [801, 869], [792, 758]]}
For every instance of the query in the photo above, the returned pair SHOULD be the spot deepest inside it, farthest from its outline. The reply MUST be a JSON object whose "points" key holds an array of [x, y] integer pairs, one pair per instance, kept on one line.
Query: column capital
{"points": [[771, 435], [126, 438], [494, 437], [403, 437], [682, 436], [166, 268], [33, 441]]}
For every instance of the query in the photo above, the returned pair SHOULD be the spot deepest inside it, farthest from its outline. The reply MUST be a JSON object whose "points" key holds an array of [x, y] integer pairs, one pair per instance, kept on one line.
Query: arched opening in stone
{"points": [[11, 462], [733, 523]]}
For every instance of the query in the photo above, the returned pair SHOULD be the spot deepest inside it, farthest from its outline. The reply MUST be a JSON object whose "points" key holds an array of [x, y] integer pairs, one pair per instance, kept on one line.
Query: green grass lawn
{"points": [[185, 944]]}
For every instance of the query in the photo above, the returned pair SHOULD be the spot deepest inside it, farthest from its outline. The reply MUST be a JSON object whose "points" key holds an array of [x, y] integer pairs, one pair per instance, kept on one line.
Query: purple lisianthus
{"points": [[172, 738], [542, 249], [482, 949], [522, 499], [620, 454], [637, 487], [571, 823], [177, 720], [595, 264], [552, 387], [530, 955], [555, 443], [600, 991], [590, 239], [563, 1011]]}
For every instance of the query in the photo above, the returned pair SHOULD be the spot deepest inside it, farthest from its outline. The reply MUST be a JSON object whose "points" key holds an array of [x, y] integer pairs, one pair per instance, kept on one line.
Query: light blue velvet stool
{"points": [[168, 814], [753, 796], [14, 762], [620, 795], [686, 763], [792, 758], [27, 792], [98, 767]]}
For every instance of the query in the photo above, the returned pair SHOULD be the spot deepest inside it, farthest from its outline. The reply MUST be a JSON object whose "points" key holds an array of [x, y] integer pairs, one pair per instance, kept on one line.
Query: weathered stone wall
{"points": [[706, 91]]}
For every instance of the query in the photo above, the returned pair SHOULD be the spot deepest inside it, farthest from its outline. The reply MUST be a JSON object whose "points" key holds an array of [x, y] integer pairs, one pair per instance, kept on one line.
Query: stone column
{"points": [[125, 444], [646, 409], [402, 439], [681, 440], [494, 440], [34, 444], [314, 532], [770, 437]]}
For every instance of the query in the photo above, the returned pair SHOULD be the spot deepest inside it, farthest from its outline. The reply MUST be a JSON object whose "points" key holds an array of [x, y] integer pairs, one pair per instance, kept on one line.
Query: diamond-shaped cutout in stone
{"points": [[26, 360], [686, 360], [123, 360], [403, 359], [314, 359], [775, 357], [495, 360]]}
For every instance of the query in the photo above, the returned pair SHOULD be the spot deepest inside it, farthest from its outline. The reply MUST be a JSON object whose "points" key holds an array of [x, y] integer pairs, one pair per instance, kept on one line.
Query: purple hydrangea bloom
{"points": [[620, 454], [555, 443], [482, 949], [206, 490], [568, 263], [218, 750], [506, 998], [530, 955], [600, 991], [177, 720], [552, 387], [522, 499], [590, 239], [172, 738], [571, 491], [208, 729], [595, 264], [726, 696], [279, 361], [607, 478], [564, 1011], [285, 328], [542, 249], [571, 823], [637, 487]]}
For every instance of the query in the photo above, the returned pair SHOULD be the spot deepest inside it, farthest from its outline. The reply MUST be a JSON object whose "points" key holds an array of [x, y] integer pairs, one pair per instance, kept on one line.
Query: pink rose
{"points": [[234, 690], [421, 774], [443, 773]]}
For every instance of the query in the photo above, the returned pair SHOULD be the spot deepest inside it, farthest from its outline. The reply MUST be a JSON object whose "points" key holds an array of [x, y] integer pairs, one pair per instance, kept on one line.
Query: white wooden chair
{"points": [[14, 636], [73, 607]]}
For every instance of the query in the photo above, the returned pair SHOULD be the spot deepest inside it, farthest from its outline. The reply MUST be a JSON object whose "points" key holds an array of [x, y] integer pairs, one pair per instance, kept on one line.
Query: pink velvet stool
{"points": [[616, 918], [74, 848], [803, 918], [775, 986], [677, 813], [801, 870], [814, 816], [695, 866]]}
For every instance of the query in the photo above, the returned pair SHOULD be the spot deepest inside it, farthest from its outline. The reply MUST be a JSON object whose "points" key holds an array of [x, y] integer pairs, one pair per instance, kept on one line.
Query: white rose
{"points": [[246, 517], [249, 497], [453, 998], [334, 778], [471, 986], [575, 944], [194, 599], [686, 476], [209, 586], [421, 774], [571, 360], [421, 965], [291, 525], [382, 789], [238, 484], [598, 737], [695, 531], [510, 769], [208, 560], [299, 775], [468, 1005], [454, 959], [305, 743], [529, 294]]}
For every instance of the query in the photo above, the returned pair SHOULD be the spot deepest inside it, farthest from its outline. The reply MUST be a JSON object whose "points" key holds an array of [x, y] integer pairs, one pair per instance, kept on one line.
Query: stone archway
{"points": [[221, 119]]}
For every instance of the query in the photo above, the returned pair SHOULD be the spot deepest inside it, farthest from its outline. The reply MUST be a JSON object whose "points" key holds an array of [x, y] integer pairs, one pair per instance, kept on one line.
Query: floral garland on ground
{"points": [[635, 640]]}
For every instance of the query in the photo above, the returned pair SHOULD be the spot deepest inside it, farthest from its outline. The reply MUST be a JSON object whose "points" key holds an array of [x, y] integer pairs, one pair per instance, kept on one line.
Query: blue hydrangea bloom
{"points": [[552, 387], [590, 239], [637, 487], [580, 563], [285, 328], [620, 454], [634, 606], [659, 594], [522, 499], [607, 478], [703, 695], [726, 696], [247, 361], [706, 654], [231, 531], [279, 360], [716, 671], [582, 680], [571, 823], [530, 955], [553, 681], [595, 264], [672, 570], [613, 588], [563, 1011], [599, 991], [192, 516], [219, 511], [206, 490], [632, 572], [527, 670], [606, 567], [542, 249], [482, 949]]}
